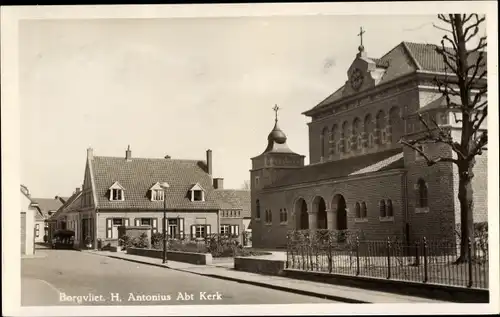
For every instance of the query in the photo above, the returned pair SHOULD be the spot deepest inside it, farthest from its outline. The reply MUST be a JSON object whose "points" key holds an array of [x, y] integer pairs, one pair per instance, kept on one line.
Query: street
{"points": [[67, 277]]}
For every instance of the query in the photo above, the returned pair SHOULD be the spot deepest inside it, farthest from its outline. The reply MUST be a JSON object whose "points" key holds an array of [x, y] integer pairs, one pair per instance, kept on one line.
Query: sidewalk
{"points": [[309, 288]]}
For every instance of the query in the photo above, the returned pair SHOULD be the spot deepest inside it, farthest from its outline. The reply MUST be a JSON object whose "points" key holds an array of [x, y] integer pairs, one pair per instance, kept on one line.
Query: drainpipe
{"points": [[405, 205]]}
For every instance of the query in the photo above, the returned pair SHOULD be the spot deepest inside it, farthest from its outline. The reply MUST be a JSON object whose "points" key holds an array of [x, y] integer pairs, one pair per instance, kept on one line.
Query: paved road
{"points": [[66, 277]]}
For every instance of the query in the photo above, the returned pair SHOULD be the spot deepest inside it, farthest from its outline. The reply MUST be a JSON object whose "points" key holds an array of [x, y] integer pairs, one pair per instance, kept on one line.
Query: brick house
{"points": [[359, 176], [127, 191], [46, 207]]}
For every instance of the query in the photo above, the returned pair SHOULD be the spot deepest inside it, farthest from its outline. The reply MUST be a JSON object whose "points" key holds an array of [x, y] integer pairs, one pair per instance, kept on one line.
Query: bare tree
{"points": [[246, 185], [464, 88]]}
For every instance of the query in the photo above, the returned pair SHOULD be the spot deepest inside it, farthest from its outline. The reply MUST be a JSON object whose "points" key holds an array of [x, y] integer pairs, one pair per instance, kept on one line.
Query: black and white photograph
{"points": [[287, 158]]}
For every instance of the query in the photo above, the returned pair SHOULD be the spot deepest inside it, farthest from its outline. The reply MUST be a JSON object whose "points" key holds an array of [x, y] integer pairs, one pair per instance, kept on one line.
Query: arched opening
{"points": [[301, 216], [394, 124], [379, 127], [344, 135], [355, 131], [339, 207], [333, 140], [320, 208], [368, 130]]}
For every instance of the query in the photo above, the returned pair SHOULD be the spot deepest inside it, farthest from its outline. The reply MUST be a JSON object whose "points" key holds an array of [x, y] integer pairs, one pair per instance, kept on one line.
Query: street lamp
{"points": [[164, 186]]}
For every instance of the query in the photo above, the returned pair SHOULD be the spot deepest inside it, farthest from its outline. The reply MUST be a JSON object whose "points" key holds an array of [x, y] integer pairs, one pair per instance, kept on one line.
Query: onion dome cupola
{"points": [[276, 140]]}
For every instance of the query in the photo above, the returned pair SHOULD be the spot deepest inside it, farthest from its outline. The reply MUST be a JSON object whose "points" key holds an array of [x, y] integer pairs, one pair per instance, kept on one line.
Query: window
{"points": [[389, 209], [197, 195], [283, 216], [422, 201], [175, 228], [37, 230], [333, 140], [323, 141], [146, 222], [256, 180], [257, 209], [368, 127], [355, 132], [116, 194], [230, 230], [112, 225], [200, 231], [382, 208], [269, 216], [379, 126], [344, 136], [157, 194], [357, 207], [363, 210]]}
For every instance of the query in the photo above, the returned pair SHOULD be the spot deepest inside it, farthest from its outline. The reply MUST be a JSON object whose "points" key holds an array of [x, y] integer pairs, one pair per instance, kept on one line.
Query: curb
{"points": [[260, 284]]}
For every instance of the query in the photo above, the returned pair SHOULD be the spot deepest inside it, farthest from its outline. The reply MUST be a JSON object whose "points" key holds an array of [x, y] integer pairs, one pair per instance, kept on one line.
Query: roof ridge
{"points": [[151, 158]]}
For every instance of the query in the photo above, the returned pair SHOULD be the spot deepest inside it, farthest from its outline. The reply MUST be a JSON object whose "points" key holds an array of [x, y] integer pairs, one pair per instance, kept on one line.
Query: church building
{"points": [[359, 176]]}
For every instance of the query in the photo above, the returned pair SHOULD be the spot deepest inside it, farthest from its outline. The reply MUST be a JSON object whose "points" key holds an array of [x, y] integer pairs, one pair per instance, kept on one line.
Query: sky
{"points": [[180, 86]]}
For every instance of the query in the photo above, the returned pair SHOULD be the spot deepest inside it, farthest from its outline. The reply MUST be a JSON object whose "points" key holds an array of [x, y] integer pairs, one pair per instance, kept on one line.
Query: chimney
{"points": [[219, 183], [209, 162], [128, 154], [168, 157], [77, 190], [90, 153]]}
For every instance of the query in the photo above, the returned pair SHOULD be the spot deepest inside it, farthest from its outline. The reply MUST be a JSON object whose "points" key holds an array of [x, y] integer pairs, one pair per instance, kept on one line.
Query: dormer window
{"points": [[157, 192], [197, 193], [116, 192]]}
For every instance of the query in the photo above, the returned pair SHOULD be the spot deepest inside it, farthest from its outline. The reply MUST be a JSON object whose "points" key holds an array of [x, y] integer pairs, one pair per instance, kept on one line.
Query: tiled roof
{"points": [[64, 208], [368, 163], [47, 204], [403, 59], [429, 60], [234, 199], [139, 174]]}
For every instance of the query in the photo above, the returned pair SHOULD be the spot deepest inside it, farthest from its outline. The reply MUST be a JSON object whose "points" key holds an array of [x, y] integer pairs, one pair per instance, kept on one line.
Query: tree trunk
{"points": [[465, 197]]}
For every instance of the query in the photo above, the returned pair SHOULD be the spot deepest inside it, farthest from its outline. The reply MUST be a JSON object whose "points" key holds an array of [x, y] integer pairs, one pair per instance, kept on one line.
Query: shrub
{"points": [[157, 240], [45, 238], [141, 241], [124, 242]]}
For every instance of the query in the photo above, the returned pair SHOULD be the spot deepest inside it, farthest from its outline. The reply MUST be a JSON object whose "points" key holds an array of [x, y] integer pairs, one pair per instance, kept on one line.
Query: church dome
{"points": [[277, 135]]}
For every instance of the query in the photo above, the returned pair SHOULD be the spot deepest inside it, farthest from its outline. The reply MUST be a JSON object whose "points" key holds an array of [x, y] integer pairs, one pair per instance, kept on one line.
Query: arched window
{"points": [[357, 208], [333, 140], [270, 216], [285, 215], [381, 205], [363, 210], [323, 141], [379, 126], [355, 132], [257, 209], [389, 210], [344, 136], [421, 193]]}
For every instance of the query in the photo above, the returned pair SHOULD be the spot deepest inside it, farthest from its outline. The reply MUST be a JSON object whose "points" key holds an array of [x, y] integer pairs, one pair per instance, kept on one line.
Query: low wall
{"points": [[186, 257], [432, 291], [261, 266]]}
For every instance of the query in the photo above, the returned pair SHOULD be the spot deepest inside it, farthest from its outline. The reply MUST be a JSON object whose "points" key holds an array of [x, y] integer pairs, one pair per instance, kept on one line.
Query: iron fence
{"points": [[421, 261]]}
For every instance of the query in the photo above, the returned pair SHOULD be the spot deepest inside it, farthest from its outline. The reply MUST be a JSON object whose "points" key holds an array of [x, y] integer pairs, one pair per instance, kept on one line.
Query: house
{"points": [[46, 207], [234, 210], [59, 219], [28, 213], [130, 191], [360, 178]]}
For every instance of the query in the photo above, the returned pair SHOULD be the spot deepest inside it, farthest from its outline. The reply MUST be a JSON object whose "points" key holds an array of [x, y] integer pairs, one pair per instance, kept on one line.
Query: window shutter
{"points": [[155, 225], [231, 230], [237, 230], [181, 228], [126, 222], [108, 228], [137, 222], [193, 231], [208, 230]]}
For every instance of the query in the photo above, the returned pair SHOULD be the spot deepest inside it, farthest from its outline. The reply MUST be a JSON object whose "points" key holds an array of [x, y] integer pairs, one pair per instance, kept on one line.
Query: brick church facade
{"points": [[360, 177]]}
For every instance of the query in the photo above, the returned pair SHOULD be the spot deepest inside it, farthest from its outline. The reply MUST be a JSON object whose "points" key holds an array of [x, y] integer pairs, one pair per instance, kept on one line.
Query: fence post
{"points": [[357, 255], [425, 261], [417, 256], [388, 258], [469, 260]]}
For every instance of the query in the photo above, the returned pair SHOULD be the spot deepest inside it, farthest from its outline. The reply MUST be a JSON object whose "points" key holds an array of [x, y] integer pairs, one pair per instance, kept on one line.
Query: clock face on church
{"points": [[356, 79]]}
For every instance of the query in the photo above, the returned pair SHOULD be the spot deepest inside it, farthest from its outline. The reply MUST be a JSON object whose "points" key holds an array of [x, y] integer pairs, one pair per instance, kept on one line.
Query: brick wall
{"points": [[391, 104], [366, 189]]}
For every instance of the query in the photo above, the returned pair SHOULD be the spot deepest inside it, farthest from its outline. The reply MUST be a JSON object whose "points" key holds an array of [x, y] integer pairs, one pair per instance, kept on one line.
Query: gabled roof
{"points": [[138, 174], [116, 185], [375, 162], [404, 59], [65, 207], [196, 186], [234, 199], [47, 204]]}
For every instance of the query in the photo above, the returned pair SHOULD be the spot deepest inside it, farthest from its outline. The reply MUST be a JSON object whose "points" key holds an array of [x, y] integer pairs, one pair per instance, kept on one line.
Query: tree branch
{"points": [[479, 145], [429, 160]]}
